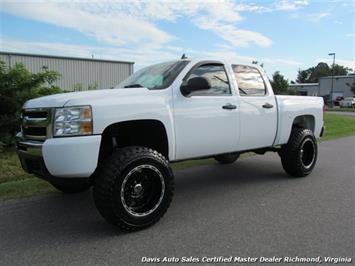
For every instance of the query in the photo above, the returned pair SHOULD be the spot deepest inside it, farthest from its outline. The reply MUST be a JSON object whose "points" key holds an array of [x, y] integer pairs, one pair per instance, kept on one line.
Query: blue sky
{"points": [[285, 35]]}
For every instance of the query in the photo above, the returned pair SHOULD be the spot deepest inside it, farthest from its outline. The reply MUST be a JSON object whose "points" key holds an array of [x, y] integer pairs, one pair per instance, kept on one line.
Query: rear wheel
{"points": [[227, 158], [133, 188], [299, 155], [71, 185]]}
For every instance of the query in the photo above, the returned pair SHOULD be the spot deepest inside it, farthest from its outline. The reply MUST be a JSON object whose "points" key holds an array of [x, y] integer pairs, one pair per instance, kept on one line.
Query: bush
{"points": [[17, 85]]}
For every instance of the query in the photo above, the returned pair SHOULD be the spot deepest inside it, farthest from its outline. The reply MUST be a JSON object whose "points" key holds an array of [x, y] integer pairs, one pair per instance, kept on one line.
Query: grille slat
{"points": [[35, 123]]}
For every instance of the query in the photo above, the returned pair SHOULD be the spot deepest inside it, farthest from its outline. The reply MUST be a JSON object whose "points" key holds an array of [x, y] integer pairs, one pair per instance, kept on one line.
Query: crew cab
{"points": [[121, 141]]}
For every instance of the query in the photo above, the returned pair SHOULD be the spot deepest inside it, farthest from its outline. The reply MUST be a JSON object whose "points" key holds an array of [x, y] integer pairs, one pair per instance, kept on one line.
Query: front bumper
{"points": [[68, 157]]}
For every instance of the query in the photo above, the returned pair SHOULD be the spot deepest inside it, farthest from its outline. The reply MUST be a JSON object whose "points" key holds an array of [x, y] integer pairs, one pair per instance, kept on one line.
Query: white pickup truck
{"points": [[122, 140]]}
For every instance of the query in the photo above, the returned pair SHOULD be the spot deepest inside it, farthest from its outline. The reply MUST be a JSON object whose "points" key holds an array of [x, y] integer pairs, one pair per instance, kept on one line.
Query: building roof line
{"points": [[341, 76], [65, 57], [305, 84]]}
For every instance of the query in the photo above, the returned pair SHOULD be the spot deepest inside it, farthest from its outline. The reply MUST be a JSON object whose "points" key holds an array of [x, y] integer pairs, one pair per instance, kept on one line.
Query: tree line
{"points": [[311, 75]]}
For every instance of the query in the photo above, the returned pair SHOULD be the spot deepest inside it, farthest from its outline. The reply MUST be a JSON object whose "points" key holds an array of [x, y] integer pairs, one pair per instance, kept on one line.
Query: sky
{"points": [[284, 35]]}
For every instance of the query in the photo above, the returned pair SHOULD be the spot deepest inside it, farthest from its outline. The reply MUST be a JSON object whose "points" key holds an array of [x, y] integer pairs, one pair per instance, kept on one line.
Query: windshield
{"points": [[155, 77]]}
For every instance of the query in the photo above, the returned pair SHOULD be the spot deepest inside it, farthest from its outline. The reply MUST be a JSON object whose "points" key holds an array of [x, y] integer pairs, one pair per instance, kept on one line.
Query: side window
{"points": [[217, 78], [250, 81]]}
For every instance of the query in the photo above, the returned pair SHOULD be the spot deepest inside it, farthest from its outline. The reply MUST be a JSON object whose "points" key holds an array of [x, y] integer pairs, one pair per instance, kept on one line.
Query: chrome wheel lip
{"points": [[308, 166], [139, 168]]}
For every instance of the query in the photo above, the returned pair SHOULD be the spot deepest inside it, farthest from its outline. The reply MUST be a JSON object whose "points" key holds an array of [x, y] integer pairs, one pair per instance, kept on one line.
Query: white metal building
{"points": [[76, 72], [307, 89], [341, 86]]}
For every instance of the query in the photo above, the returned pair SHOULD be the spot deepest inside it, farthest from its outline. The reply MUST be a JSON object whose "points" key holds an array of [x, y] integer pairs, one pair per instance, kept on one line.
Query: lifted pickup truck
{"points": [[122, 140]]}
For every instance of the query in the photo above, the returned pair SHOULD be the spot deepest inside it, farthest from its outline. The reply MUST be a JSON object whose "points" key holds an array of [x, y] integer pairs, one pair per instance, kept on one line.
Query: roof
{"points": [[66, 57], [343, 76], [304, 84]]}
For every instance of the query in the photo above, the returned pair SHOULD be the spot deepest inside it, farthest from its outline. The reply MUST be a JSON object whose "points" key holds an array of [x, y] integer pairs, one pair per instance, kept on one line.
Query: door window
{"points": [[250, 81], [217, 78]]}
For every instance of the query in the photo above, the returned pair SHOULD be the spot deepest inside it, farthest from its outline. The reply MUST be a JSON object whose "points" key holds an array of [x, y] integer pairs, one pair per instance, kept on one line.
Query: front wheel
{"points": [[133, 188], [299, 155]]}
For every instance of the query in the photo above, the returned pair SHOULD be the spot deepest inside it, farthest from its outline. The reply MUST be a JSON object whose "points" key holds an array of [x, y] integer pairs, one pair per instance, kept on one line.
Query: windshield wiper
{"points": [[133, 86]]}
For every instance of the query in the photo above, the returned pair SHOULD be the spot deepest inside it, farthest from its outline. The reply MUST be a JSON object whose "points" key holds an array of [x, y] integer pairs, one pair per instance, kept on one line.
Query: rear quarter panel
{"points": [[290, 107]]}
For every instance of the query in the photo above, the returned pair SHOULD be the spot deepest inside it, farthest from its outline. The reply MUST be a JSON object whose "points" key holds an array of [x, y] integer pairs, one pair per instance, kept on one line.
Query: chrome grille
{"points": [[36, 124]]}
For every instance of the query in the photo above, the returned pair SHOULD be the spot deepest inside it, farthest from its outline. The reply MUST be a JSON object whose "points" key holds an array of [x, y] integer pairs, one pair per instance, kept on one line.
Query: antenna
{"points": [[183, 56]]}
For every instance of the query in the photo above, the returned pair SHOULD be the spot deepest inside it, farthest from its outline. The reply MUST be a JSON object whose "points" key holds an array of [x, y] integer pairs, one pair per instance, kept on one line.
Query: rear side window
{"points": [[216, 76], [250, 81]]}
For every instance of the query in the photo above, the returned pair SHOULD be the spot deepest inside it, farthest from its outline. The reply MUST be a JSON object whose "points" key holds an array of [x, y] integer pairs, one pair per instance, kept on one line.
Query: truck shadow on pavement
{"points": [[73, 218]]}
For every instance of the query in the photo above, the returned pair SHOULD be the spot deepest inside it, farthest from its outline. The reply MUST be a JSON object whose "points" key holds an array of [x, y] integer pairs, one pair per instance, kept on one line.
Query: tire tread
{"points": [[105, 182]]}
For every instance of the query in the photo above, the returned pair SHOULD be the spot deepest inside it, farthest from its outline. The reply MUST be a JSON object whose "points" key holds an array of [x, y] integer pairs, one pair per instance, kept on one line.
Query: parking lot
{"points": [[250, 208]]}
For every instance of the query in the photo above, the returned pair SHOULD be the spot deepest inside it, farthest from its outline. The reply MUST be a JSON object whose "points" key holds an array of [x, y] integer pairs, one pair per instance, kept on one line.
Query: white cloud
{"points": [[111, 28], [286, 5], [232, 34], [144, 56], [231, 55], [134, 22], [316, 17]]}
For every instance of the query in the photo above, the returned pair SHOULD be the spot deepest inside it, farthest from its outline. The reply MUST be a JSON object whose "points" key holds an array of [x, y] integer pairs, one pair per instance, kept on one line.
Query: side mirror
{"points": [[195, 84]]}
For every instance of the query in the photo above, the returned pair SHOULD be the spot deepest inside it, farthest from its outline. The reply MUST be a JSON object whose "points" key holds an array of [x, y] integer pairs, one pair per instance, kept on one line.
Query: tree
{"points": [[17, 85], [312, 74], [279, 83]]}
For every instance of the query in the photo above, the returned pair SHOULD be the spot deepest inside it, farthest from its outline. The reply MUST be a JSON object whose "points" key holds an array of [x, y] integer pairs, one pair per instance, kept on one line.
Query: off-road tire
{"points": [[109, 181], [227, 158], [299, 155], [71, 185]]}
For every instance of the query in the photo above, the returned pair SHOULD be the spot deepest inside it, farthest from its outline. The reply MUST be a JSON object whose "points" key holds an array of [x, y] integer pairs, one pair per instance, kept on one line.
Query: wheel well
{"points": [[146, 133], [304, 121]]}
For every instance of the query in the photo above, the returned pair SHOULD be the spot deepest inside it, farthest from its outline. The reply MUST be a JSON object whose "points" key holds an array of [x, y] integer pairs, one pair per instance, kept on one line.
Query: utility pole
{"points": [[331, 90]]}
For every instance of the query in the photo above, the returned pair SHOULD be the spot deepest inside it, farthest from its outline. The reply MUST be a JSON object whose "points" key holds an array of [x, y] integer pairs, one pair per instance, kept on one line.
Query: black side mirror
{"points": [[195, 84]]}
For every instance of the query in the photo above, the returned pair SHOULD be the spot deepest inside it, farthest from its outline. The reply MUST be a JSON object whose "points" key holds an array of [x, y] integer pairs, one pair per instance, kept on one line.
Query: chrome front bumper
{"points": [[28, 147]]}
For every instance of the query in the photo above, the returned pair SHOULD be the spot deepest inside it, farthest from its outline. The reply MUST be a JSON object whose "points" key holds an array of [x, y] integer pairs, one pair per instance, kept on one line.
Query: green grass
{"points": [[10, 167], [337, 126], [24, 188], [341, 109], [15, 183]]}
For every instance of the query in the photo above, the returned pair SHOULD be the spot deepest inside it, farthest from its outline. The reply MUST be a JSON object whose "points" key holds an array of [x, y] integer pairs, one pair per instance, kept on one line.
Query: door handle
{"points": [[229, 106], [267, 105]]}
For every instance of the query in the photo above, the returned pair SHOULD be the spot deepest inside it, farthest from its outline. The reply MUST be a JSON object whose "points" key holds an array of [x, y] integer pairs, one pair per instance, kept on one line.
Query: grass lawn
{"points": [[337, 126], [15, 183]]}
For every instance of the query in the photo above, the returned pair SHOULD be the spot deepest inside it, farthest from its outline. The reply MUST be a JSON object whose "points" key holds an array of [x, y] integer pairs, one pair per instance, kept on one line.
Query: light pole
{"points": [[331, 89]]}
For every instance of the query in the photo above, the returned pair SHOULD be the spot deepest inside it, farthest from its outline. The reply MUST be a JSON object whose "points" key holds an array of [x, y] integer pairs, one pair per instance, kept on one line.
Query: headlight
{"points": [[71, 121]]}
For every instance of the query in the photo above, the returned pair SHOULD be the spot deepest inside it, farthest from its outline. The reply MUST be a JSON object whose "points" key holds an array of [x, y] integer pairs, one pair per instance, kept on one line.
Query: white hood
{"points": [[83, 97]]}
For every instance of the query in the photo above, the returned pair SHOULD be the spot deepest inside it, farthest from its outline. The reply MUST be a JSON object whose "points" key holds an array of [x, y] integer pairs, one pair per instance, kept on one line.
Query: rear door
{"points": [[258, 109]]}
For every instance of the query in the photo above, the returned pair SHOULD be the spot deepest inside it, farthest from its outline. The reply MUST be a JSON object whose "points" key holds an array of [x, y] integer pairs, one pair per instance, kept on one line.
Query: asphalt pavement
{"points": [[250, 208]]}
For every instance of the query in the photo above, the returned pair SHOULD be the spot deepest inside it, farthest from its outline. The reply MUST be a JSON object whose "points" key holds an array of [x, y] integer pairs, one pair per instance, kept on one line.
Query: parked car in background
{"points": [[337, 100], [347, 102]]}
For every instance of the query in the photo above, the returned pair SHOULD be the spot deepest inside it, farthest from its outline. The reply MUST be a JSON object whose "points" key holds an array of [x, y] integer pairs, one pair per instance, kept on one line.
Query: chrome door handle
{"points": [[267, 105]]}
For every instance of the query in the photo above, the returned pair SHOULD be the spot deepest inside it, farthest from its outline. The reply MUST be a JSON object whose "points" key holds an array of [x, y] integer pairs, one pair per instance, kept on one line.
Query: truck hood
{"points": [[83, 97]]}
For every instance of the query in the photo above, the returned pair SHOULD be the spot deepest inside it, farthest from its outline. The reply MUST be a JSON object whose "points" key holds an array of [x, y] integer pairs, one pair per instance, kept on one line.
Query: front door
{"points": [[206, 122]]}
